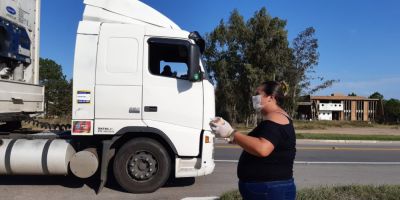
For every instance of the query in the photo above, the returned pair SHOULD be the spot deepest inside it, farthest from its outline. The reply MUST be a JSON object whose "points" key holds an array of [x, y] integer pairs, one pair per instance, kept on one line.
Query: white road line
{"points": [[227, 161], [200, 198], [326, 163]]}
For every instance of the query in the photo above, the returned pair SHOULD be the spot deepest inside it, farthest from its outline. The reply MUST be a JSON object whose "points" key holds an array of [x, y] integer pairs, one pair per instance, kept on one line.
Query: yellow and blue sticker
{"points": [[83, 97]]}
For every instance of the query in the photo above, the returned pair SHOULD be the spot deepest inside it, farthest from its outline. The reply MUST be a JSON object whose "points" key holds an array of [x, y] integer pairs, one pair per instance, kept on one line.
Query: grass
{"points": [[351, 192], [307, 125], [313, 136]]}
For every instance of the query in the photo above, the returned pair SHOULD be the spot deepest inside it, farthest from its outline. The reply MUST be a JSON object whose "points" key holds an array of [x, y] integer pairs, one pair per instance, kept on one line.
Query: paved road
{"points": [[328, 152], [224, 176]]}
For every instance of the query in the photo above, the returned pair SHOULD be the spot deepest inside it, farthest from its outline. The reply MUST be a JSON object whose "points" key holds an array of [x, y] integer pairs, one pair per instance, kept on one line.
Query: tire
{"points": [[142, 165]]}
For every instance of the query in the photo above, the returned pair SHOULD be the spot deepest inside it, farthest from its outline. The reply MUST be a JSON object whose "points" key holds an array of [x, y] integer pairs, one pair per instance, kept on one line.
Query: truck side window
{"points": [[169, 58]]}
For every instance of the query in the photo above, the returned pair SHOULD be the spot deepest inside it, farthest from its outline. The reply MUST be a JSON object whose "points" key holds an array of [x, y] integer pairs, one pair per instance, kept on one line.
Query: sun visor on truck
{"points": [[198, 40]]}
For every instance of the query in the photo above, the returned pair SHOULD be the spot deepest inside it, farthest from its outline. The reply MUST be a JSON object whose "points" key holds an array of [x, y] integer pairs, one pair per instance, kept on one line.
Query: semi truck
{"points": [[141, 101]]}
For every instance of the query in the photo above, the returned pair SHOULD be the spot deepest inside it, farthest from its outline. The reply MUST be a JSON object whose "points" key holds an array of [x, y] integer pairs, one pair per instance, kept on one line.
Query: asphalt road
{"points": [[328, 152], [316, 164]]}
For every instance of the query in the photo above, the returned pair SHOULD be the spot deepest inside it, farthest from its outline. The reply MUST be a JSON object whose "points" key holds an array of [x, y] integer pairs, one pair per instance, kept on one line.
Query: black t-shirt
{"points": [[279, 164]]}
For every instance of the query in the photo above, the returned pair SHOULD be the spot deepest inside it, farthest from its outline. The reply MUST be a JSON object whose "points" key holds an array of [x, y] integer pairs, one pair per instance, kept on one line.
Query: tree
{"points": [[352, 94], [241, 55], [58, 91], [376, 95], [299, 74], [392, 110]]}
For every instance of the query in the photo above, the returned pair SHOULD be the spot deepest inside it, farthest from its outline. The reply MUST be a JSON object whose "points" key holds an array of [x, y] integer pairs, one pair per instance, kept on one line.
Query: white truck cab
{"points": [[139, 79]]}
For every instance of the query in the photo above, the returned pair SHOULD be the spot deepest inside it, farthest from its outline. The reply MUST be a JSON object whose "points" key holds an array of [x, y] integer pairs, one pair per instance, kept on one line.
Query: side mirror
{"points": [[194, 65]]}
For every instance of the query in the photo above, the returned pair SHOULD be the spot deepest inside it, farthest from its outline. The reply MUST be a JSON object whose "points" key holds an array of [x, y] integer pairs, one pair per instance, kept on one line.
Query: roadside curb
{"points": [[348, 141], [224, 141]]}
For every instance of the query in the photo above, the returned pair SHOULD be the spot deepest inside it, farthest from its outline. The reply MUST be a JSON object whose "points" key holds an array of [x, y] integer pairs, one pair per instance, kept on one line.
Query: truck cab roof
{"points": [[126, 11]]}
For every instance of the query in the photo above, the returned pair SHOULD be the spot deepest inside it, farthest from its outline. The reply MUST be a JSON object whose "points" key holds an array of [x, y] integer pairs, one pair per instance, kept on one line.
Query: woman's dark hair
{"points": [[276, 89]]}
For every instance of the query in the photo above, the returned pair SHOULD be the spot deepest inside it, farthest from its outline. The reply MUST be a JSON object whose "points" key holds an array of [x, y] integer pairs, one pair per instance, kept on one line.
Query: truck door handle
{"points": [[150, 109]]}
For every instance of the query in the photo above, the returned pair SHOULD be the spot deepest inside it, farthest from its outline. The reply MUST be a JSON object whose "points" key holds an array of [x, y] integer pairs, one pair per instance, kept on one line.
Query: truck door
{"points": [[170, 100], [119, 72]]}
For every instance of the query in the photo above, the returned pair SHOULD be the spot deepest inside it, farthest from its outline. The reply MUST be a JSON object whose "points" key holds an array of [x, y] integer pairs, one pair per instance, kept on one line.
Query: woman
{"points": [[265, 168]]}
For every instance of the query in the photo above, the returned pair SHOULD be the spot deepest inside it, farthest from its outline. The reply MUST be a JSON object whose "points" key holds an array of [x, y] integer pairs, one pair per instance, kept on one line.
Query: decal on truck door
{"points": [[83, 97]]}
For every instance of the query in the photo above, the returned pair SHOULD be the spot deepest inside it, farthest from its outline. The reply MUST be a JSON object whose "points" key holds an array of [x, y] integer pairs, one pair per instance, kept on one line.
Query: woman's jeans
{"points": [[273, 190]]}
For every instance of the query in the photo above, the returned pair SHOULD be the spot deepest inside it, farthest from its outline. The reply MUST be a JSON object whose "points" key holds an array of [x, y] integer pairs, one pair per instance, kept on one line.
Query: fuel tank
{"points": [[35, 157]]}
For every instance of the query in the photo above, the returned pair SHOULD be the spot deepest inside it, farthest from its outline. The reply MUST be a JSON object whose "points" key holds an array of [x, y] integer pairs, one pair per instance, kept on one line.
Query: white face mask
{"points": [[257, 103]]}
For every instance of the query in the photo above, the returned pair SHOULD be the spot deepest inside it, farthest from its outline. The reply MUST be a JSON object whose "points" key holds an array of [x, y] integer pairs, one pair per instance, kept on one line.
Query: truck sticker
{"points": [[82, 127], [83, 97], [11, 10], [105, 130]]}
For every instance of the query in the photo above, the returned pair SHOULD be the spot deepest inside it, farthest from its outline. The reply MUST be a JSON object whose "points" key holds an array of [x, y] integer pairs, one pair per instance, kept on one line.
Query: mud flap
{"points": [[106, 156]]}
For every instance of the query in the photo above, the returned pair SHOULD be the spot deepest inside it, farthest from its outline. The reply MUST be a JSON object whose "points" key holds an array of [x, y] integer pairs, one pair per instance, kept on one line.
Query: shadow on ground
{"points": [[73, 182], [65, 181]]}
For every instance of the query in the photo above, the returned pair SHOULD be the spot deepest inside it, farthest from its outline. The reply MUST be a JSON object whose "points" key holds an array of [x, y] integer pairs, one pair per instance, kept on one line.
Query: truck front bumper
{"points": [[192, 167]]}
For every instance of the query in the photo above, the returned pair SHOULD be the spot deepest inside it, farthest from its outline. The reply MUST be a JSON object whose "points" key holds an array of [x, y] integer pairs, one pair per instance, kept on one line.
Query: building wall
{"points": [[325, 115], [353, 111], [366, 111], [343, 108]]}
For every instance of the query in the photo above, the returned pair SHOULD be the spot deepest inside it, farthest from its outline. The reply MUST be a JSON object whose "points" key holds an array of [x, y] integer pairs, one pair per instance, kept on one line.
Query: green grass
{"points": [[351, 192], [232, 195], [347, 137], [306, 125]]}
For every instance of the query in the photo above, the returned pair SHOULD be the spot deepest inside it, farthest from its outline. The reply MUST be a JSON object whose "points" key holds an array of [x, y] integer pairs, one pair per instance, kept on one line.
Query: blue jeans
{"points": [[273, 190]]}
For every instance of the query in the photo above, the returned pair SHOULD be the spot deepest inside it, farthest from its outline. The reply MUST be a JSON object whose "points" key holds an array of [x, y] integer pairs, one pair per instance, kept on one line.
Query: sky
{"points": [[359, 40]]}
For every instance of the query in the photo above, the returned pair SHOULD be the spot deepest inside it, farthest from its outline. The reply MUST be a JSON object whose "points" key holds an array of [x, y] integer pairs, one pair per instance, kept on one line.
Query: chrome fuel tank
{"points": [[35, 157]]}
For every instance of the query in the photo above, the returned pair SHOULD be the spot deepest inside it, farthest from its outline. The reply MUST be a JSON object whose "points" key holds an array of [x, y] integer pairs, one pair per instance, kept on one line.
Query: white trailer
{"points": [[20, 92], [141, 97]]}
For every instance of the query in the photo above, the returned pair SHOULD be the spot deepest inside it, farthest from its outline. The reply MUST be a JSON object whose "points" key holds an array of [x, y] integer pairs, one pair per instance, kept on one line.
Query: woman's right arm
{"points": [[259, 147]]}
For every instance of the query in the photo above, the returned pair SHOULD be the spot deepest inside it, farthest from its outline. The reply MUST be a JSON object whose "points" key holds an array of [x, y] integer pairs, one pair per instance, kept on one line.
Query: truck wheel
{"points": [[142, 165]]}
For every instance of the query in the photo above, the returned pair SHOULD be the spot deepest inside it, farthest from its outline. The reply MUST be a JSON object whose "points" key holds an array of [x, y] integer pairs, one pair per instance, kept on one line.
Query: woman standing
{"points": [[265, 168]]}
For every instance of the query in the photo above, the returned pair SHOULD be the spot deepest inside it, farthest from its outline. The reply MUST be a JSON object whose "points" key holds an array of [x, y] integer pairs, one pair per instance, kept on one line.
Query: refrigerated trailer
{"points": [[141, 104], [20, 92]]}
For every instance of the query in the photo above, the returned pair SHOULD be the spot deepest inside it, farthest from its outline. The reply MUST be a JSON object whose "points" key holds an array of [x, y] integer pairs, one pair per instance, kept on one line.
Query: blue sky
{"points": [[359, 39]]}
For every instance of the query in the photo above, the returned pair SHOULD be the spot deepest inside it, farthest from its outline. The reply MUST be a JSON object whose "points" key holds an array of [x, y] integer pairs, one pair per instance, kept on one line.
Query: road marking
{"points": [[326, 163], [324, 148], [200, 198], [227, 161]]}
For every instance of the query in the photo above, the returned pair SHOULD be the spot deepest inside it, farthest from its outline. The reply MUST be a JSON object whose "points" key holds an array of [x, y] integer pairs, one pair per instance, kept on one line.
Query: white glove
{"points": [[221, 128]]}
